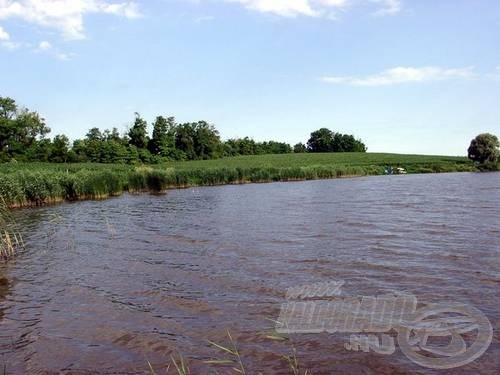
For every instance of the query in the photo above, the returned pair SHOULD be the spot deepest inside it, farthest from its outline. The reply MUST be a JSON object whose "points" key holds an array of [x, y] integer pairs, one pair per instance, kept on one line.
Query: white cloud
{"points": [[65, 16], [44, 45], [286, 8], [64, 56], [128, 9], [400, 75], [3, 34], [313, 8], [335, 3], [389, 7]]}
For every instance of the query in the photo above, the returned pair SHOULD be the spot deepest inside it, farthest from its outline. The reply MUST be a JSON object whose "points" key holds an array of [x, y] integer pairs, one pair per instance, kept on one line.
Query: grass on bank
{"points": [[30, 184]]}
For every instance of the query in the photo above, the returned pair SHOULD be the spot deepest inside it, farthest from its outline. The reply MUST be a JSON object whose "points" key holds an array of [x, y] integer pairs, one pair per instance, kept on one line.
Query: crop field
{"points": [[413, 163]]}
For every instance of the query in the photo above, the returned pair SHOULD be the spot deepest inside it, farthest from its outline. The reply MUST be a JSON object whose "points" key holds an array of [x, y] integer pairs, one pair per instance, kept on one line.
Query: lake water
{"points": [[105, 286]]}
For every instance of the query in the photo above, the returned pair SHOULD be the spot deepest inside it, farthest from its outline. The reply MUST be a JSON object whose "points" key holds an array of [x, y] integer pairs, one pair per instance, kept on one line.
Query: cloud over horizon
{"points": [[400, 74]]}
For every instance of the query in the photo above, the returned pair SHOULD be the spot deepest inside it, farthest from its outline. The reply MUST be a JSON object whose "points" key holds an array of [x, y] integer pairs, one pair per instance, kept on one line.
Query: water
{"points": [[107, 285]]}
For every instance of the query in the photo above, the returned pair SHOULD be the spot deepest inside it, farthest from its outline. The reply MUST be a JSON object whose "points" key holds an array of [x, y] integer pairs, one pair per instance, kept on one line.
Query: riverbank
{"points": [[35, 184]]}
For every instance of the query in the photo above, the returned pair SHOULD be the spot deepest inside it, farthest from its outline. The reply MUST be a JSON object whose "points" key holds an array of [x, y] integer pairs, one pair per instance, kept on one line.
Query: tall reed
{"points": [[11, 240]]}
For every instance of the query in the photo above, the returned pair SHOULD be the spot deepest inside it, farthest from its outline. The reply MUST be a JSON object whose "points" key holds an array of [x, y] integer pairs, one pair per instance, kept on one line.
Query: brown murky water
{"points": [[106, 286]]}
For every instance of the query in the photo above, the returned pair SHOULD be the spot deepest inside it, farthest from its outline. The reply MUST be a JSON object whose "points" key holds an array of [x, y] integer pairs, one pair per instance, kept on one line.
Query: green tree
{"points": [[133, 155], [20, 129], [299, 148], [320, 141], [8, 108], [94, 135], [162, 142], [273, 147], [79, 151], [325, 140], [145, 156], [138, 134], [113, 147], [241, 146], [197, 140], [359, 146], [207, 144], [184, 141], [93, 145], [483, 150], [347, 143], [31, 126], [59, 152], [40, 150]]}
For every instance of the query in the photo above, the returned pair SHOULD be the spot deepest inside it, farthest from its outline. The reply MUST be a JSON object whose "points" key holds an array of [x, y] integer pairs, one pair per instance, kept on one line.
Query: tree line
{"points": [[24, 137]]}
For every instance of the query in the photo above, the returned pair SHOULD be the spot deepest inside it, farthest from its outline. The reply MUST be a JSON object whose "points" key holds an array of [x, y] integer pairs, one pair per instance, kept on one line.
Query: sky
{"points": [[406, 76]]}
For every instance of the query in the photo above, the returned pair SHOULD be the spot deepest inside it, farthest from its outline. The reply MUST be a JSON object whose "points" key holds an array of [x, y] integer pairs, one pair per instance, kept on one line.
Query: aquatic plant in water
{"points": [[11, 240]]}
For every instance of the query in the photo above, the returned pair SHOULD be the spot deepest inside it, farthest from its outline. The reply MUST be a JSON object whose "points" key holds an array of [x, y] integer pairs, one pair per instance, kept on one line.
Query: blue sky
{"points": [[404, 75]]}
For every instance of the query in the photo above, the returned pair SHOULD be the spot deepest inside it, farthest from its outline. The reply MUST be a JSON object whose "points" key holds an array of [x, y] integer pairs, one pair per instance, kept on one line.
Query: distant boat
{"points": [[397, 170]]}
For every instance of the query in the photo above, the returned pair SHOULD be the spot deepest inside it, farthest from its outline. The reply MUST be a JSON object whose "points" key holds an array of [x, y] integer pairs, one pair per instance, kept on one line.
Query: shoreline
{"points": [[40, 184], [52, 201]]}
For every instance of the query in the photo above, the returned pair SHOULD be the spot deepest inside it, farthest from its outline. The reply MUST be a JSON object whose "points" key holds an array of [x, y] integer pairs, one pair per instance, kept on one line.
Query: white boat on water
{"points": [[397, 170]]}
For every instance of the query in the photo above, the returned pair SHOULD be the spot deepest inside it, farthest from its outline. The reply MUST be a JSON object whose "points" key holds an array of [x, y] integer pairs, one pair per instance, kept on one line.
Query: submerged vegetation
{"points": [[34, 184], [233, 360]]}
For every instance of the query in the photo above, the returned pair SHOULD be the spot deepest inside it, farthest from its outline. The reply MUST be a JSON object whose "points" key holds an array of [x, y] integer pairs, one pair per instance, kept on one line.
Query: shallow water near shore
{"points": [[106, 286]]}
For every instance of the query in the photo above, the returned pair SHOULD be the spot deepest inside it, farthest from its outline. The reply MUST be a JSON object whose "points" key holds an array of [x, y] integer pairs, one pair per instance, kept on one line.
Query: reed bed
{"points": [[34, 188], [11, 240], [35, 184]]}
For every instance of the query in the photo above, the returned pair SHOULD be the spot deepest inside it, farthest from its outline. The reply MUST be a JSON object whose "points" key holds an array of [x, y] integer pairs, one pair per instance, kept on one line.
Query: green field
{"points": [[413, 163], [25, 184]]}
